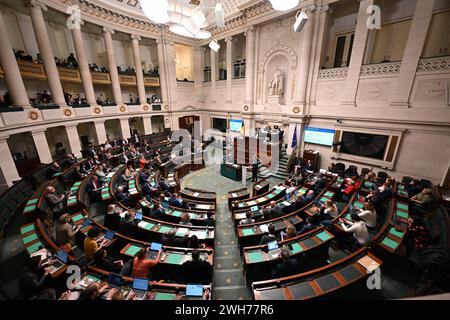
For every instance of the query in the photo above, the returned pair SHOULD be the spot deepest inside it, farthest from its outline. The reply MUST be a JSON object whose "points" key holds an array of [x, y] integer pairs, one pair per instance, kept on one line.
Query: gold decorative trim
{"points": [[67, 112], [246, 108], [122, 109], [166, 107], [33, 115], [97, 110], [145, 107], [296, 110]]}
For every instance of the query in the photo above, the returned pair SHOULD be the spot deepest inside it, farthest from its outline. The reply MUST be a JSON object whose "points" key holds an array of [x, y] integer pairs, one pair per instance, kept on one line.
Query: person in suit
{"points": [[87, 166], [102, 261], [157, 212], [303, 200], [275, 210], [309, 225], [197, 270], [112, 217], [76, 174], [254, 168], [320, 184], [288, 266], [128, 225], [148, 191], [413, 188], [163, 185], [55, 201], [209, 221], [54, 169], [308, 166], [170, 239], [94, 188], [123, 158], [269, 237], [124, 197]]}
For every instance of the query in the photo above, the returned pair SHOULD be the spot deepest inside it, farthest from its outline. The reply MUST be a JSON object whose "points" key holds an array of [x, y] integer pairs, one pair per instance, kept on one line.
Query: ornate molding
{"points": [[380, 69], [434, 64], [292, 56], [336, 73], [135, 37], [108, 30], [37, 4]]}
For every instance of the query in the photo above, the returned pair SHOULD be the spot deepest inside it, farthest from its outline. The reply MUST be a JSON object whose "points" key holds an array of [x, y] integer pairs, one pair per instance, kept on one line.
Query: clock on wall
{"points": [[364, 144]]}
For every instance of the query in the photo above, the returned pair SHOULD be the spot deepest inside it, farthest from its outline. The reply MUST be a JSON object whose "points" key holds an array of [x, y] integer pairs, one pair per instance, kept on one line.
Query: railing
{"points": [[100, 77], [185, 84], [336, 73], [380, 69], [434, 64], [127, 80], [238, 82], [151, 81], [32, 70], [69, 74]]}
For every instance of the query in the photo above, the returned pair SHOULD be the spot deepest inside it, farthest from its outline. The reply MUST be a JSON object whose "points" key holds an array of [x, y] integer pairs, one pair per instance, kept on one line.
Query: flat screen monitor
{"points": [[194, 290], [320, 136], [236, 125], [140, 284]]}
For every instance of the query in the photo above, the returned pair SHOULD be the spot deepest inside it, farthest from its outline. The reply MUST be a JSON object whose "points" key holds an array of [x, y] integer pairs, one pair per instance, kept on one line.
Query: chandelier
{"points": [[283, 5]]}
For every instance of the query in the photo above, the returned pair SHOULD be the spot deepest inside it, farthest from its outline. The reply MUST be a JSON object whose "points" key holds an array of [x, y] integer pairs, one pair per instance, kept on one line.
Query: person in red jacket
{"points": [[350, 189]]}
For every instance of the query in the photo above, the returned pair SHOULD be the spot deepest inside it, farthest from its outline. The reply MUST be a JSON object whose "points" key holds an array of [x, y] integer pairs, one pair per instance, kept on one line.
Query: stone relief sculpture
{"points": [[276, 85]]}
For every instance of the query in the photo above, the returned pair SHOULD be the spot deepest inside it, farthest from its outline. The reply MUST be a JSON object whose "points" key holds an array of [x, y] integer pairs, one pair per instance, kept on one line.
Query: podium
{"points": [[313, 156]]}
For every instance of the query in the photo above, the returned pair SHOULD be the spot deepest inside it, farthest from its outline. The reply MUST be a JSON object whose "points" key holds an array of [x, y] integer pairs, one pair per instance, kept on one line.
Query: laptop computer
{"points": [[115, 280], [61, 259], [165, 205], [194, 290], [154, 249], [86, 222], [274, 251], [138, 216], [254, 208], [140, 287], [109, 235]]}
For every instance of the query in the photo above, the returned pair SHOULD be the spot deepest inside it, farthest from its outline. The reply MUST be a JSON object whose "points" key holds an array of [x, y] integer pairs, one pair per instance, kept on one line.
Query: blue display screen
{"points": [[319, 136]]}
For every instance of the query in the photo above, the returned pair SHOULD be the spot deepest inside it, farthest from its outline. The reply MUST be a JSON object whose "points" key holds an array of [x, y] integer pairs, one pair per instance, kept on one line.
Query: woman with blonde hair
{"points": [[368, 215], [64, 234]]}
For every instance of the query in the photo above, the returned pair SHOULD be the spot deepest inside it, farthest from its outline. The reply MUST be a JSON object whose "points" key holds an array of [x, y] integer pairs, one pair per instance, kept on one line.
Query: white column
{"points": [[171, 71], [83, 65], [125, 128], [250, 68], [45, 49], [13, 78], [359, 45], [138, 67], [230, 61], [114, 74], [100, 131], [199, 66], [214, 73], [304, 61], [41, 144], [7, 164], [74, 139], [147, 120], [162, 71], [403, 84]]}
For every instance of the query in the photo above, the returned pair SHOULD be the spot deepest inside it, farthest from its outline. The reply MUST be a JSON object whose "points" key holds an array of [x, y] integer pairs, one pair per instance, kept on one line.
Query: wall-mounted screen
{"points": [[220, 124], [236, 125], [319, 136], [364, 144]]}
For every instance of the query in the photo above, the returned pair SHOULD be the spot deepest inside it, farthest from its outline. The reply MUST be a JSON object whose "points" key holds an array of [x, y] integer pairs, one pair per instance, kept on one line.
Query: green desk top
{"points": [[323, 199], [397, 233], [402, 206], [29, 208], [177, 213], [248, 231], [164, 296], [296, 248], [32, 201], [149, 226], [164, 229], [270, 195], [324, 236], [256, 256], [30, 238], [72, 201], [35, 247], [390, 243], [402, 214], [329, 194], [174, 258], [359, 204], [132, 250], [77, 217], [27, 229]]}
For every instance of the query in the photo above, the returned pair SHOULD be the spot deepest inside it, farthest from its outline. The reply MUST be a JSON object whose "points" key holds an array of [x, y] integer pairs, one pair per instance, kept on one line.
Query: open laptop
{"points": [[115, 280], [194, 290], [153, 252], [274, 251], [165, 205], [254, 208], [138, 216], [86, 222], [140, 287], [109, 235], [61, 259]]}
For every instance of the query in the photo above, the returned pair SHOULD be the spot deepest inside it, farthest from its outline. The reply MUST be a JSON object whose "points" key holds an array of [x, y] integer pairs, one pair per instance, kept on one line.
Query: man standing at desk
{"points": [[254, 167]]}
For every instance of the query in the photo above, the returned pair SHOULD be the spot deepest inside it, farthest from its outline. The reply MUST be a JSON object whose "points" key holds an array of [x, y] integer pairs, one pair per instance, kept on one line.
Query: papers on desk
{"points": [[133, 191], [109, 175], [368, 263], [196, 194], [201, 235], [234, 195], [181, 232], [257, 187], [264, 228], [286, 203], [251, 203], [203, 206], [86, 281]]}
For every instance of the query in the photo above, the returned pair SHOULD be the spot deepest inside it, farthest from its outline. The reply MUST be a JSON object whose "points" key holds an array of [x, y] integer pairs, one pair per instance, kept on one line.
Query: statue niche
{"points": [[276, 85]]}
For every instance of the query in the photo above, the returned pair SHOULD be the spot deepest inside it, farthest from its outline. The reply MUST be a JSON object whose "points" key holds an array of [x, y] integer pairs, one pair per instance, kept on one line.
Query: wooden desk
{"points": [[260, 187], [199, 195], [231, 171], [237, 195]]}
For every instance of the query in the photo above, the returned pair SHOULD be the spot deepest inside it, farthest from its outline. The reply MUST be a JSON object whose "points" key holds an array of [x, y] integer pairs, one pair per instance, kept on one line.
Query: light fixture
{"points": [[220, 18], [182, 31], [300, 20], [214, 45], [283, 5], [156, 10]]}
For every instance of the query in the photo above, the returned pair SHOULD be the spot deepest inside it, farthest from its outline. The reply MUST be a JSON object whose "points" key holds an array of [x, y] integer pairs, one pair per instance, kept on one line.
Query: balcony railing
{"points": [[100, 77], [185, 84], [434, 64], [69, 75], [127, 80], [380, 69], [32, 70], [151, 81], [332, 74]]}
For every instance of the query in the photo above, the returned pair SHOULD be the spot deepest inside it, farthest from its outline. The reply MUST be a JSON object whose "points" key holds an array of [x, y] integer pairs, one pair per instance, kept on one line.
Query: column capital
{"points": [[326, 9], [37, 4], [108, 30], [229, 39], [309, 9], [199, 49], [37, 132], [70, 126], [251, 29], [135, 37]]}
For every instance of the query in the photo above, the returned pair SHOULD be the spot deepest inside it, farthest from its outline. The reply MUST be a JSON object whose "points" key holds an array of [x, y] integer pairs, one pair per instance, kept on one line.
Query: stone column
{"points": [[162, 71], [7, 165], [147, 120], [13, 78], [214, 73], [74, 139], [100, 131], [41, 144], [125, 128], [83, 65], [250, 67], [402, 85], [114, 74], [359, 45], [138, 67], [304, 59], [199, 66], [230, 61], [45, 49]]}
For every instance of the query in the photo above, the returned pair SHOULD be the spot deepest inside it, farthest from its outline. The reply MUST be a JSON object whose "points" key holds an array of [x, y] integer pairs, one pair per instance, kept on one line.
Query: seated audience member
{"points": [[177, 201], [64, 234], [31, 280], [92, 243], [48, 294], [94, 188], [413, 188], [422, 201], [157, 212], [169, 239], [143, 162], [124, 197], [87, 166], [163, 185], [53, 169], [368, 214], [290, 190], [248, 218], [55, 201], [194, 242], [71, 159], [93, 292], [320, 184], [308, 166], [291, 232], [102, 261], [379, 199], [357, 228], [332, 167], [107, 146], [269, 237], [275, 210], [197, 270], [123, 180], [371, 177], [76, 174], [330, 210], [100, 173], [142, 265], [148, 191], [308, 226], [134, 153], [144, 175], [185, 217], [112, 217], [129, 171], [349, 189], [303, 200], [128, 225], [209, 221], [123, 158], [288, 266]]}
